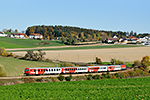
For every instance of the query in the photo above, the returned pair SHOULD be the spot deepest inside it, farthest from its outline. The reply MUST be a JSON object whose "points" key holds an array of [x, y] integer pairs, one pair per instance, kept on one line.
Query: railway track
{"points": [[83, 74]]}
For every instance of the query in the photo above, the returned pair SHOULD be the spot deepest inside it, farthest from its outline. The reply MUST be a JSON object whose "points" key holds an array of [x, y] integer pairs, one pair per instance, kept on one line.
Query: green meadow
{"points": [[7, 42]]}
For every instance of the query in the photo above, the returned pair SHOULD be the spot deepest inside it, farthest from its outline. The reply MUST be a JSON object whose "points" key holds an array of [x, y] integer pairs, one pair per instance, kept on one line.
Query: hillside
{"points": [[15, 67], [25, 43], [74, 33]]}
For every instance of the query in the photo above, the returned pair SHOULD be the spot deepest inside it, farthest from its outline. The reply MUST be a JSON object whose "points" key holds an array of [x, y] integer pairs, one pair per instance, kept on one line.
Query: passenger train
{"points": [[69, 70]]}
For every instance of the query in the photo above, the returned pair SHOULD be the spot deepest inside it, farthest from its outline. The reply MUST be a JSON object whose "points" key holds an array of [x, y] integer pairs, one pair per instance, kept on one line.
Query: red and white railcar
{"points": [[42, 71], [74, 69], [97, 68]]}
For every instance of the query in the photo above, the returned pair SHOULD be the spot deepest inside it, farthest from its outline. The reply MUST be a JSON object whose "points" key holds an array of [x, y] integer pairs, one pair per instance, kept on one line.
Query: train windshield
{"points": [[26, 69]]}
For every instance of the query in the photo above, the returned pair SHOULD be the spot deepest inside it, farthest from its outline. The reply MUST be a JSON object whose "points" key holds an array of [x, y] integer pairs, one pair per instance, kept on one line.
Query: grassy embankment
{"points": [[114, 89], [15, 67]]}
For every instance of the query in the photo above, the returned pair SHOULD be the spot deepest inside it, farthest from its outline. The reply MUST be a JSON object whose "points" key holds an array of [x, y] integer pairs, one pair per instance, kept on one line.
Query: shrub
{"points": [[2, 72], [60, 77], [95, 77], [131, 73], [66, 64], [54, 79], [3, 52], [68, 78], [103, 76], [137, 63], [145, 62], [113, 76], [120, 75], [117, 75], [39, 79], [89, 77], [28, 80], [98, 60], [116, 62]]}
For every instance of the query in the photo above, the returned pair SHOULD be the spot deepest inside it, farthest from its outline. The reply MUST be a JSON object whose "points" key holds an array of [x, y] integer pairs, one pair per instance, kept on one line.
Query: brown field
{"points": [[124, 54]]}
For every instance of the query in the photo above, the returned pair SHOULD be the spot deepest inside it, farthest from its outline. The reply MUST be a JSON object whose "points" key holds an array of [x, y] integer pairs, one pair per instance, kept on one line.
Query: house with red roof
{"points": [[133, 39], [18, 35], [35, 36]]}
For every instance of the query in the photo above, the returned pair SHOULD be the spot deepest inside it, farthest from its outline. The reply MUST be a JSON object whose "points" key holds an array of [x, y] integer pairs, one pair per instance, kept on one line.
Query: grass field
{"points": [[107, 89], [25, 43], [15, 67]]}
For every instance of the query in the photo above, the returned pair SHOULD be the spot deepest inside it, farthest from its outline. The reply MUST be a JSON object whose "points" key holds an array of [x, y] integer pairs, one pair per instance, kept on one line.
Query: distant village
{"points": [[113, 40]]}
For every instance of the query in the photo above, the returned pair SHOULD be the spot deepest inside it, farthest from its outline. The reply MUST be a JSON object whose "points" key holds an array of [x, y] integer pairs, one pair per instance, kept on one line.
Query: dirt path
{"points": [[124, 54]]}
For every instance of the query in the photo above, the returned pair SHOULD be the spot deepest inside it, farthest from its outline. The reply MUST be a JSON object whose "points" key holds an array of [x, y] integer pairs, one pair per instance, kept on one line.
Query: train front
{"points": [[26, 71]]}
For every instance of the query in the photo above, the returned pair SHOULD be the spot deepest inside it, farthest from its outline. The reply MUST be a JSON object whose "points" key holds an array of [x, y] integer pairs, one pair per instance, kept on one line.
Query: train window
{"points": [[46, 69], [54, 69], [51, 69], [57, 69], [34, 70], [38, 69]]}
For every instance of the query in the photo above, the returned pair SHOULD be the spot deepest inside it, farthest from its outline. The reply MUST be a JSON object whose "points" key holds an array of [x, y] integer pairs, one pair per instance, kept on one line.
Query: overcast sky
{"points": [[109, 15]]}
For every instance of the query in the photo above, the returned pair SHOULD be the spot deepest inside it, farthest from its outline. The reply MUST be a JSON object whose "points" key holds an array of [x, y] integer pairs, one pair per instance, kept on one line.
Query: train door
{"points": [[36, 71]]}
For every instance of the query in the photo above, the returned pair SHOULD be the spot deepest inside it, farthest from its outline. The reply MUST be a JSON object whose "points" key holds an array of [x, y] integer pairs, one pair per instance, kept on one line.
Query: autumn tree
{"points": [[63, 39], [16, 30], [3, 52], [145, 62], [41, 54]]}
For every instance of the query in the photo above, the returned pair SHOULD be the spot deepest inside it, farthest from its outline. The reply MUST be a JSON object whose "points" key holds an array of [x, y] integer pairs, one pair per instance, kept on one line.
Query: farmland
{"points": [[15, 67], [25, 43], [116, 89], [88, 55]]}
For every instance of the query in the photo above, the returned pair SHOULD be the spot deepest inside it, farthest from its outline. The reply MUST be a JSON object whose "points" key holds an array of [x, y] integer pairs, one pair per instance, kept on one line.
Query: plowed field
{"points": [[88, 55]]}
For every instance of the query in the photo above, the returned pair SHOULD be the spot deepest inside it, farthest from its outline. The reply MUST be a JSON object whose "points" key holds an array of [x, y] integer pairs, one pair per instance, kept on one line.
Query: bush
{"points": [[116, 62], [103, 76], [113, 76], [2, 72], [28, 80], [98, 60], [89, 77], [54, 79], [3, 52], [66, 64], [95, 77], [117, 75], [39, 79], [60, 77], [136, 63], [11, 54], [145, 62], [68, 78]]}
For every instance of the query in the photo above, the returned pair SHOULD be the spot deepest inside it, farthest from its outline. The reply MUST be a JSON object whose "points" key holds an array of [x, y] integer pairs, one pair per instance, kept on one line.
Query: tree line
{"points": [[72, 35]]}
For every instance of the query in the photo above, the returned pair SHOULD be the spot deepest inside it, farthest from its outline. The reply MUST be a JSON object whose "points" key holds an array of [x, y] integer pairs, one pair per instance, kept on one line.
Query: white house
{"points": [[3, 34], [35, 36], [18, 35]]}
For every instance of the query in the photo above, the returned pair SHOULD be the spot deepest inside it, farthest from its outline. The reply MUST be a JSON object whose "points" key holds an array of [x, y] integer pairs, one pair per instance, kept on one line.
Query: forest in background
{"points": [[72, 35]]}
